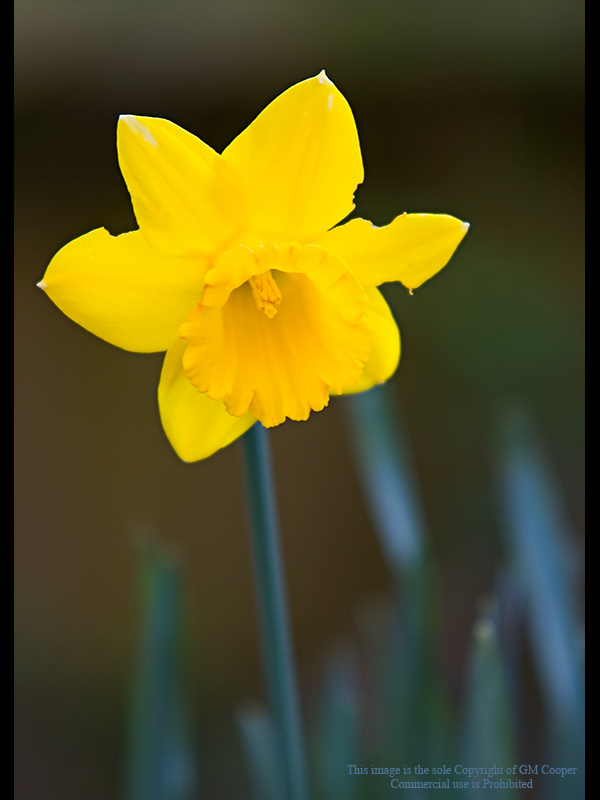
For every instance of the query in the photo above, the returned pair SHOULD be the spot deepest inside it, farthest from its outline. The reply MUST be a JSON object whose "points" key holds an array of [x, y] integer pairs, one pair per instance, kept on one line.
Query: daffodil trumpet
{"points": [[265, 308]]}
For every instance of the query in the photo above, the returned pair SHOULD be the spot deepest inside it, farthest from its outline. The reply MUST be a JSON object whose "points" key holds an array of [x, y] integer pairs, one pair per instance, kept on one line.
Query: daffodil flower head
{"points": [[264, 307]]}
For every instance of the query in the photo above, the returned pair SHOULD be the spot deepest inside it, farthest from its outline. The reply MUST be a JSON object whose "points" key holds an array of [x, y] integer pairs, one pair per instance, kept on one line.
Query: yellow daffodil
{"points": [[264, 307]]}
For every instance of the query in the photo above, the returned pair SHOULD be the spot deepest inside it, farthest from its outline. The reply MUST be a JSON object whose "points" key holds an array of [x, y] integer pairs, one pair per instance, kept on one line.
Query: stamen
{"points": [[266, 293]]}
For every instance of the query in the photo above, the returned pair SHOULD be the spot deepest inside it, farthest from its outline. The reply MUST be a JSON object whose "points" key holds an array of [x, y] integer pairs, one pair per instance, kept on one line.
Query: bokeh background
{"points": [[469, 108]]}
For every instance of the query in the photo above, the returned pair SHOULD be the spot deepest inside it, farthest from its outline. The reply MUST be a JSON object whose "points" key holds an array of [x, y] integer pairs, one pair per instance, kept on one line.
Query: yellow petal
{"points": [[195, 425], [411, 249], [284, 361], [300, 162], [121, 289], [186, 198], [385, 354]]}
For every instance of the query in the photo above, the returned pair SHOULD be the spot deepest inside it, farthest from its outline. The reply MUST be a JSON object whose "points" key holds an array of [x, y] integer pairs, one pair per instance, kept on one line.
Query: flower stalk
{"points": [[279, 667]]}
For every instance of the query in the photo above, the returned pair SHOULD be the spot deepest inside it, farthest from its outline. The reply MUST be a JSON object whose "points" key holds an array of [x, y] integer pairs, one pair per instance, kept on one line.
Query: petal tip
{"points": [[41, 285], [465, 226], [138, 128], [322, 77]]}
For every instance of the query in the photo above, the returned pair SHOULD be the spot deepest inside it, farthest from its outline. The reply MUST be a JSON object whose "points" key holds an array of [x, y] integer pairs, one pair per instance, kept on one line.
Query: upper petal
{"points": [[300, 162], [195, 425], [187, 199], [385, 355], [411, 249], [121, 289]]}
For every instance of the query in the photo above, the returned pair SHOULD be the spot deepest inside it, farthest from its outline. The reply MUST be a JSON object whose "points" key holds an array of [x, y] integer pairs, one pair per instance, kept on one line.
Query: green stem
{"points": [[273, 610]]}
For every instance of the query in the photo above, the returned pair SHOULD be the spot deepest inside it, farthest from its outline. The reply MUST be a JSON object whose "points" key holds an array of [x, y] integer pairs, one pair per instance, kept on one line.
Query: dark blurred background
{"points": [[469, 108]]}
